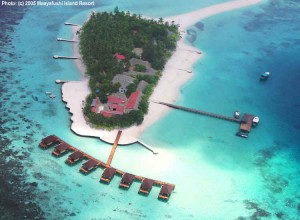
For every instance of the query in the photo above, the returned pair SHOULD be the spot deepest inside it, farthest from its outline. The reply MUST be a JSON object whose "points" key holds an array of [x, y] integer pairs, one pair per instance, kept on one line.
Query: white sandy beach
{"points": [[175, 74]]}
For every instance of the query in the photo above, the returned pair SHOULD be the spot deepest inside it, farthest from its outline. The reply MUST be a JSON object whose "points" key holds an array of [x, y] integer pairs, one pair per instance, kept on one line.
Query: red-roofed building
{"points": [[116, 100], [115, 106], [119, 56], [95, 104], [116, 110], [106, 114], [133, 99]]}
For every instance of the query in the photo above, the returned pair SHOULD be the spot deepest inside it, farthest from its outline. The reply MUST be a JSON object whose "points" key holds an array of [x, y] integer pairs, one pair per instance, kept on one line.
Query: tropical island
{"points": [[124, 55]]}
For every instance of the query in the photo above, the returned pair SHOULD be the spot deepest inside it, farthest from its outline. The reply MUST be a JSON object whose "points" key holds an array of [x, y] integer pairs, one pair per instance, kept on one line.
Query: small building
{"points": [[134, 61], [126, 180], [74, 157], [106, 114], [146, 186], [133, 100], [119, 56], [115, 106], [166, 191], [95, 104], [115, 99], [60, 149], [246, 122], [89, 166], [108, 174], [49, 141], [138, 51], [123, 80], [142, 86]]}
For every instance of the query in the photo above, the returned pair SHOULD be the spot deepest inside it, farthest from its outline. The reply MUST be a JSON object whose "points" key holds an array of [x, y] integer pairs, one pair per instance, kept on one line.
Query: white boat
{"points": [[242, 134], [48, 93], [237, 114], [264, 76], [255, 121]]}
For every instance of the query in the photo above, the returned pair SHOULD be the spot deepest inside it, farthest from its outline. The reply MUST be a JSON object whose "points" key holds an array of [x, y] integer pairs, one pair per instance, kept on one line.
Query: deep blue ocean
{"points": [[217, 174]]}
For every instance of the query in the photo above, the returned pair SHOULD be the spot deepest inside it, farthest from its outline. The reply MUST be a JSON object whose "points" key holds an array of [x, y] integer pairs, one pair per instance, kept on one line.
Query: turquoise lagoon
{"points": [[217, 175]]}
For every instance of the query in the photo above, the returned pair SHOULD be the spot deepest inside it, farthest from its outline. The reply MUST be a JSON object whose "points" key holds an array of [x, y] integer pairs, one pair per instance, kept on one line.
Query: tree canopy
{"points": [[108, 33]]}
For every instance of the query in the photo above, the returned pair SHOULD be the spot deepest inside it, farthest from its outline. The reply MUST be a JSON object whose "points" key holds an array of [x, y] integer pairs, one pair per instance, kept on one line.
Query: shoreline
{"points": [[176, 73]]}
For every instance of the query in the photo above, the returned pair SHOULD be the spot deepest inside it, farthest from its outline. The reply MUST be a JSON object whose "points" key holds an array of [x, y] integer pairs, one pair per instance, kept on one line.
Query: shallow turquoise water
{"points": [[217, 175]]}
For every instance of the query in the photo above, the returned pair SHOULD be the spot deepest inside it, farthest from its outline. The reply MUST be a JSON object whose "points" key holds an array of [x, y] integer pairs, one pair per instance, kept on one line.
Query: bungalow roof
{"points": [[133, 100], [115, 99]]}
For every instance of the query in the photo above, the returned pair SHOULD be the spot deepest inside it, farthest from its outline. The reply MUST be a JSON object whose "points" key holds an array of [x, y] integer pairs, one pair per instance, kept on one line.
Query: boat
{"points": [[264, 76], [48, 93], [255, 121], [241, 134], [52, 96], [237, 114]]}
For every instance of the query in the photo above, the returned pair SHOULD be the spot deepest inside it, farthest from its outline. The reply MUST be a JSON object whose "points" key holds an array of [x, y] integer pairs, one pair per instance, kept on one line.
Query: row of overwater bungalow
{"points": [[61, 147]]}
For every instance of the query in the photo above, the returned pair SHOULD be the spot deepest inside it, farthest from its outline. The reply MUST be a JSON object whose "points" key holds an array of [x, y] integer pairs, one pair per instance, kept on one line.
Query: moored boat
{"points": [[242, 134], [237, 114], [255, 121], [264, 76]]}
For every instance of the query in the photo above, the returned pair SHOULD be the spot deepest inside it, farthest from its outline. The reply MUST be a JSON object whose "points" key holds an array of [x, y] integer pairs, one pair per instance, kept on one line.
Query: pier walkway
{"points": [[72, 24], [66, 40], [114, 147], [64, 57], [54, 141], [200, 112]]}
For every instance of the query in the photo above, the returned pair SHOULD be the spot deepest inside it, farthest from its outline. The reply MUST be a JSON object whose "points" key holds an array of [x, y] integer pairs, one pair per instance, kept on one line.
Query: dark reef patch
{"points": [[258, 212], [17, 197], [200, 26], [191, 35]]}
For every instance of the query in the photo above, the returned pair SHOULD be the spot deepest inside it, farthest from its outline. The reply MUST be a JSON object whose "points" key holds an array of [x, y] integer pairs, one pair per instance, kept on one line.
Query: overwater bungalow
{"points": [[108, 174], [89, 165], [74, 157], [126, 180], [146, 186], [48, 141], [165, 191], [60, 149]]}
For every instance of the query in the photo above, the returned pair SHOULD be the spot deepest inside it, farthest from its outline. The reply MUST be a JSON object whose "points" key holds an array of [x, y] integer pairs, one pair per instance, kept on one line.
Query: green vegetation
{"points": [[140, 68], [106, 34]]}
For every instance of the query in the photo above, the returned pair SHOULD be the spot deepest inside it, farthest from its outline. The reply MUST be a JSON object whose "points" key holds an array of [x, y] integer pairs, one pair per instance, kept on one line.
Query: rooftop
{"points": [[115, 99], [132, 101], [119, 56]]}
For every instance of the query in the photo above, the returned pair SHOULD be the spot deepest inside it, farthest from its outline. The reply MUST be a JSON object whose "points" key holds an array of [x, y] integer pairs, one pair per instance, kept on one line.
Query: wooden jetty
{"points": [[200, 112], [109, 172], [61, 81], [65, 57], [148, 147], [66, 40], [72, 24], [114, 147], [245, 123]]}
